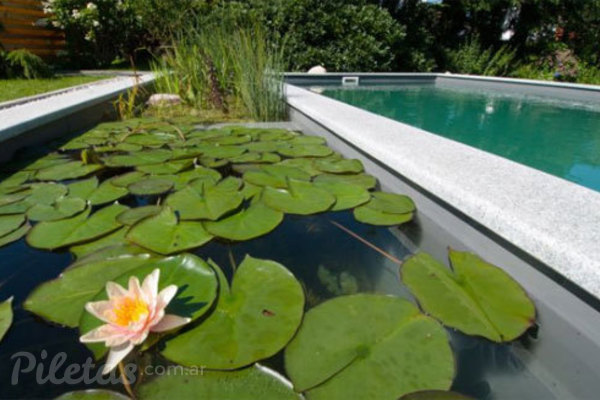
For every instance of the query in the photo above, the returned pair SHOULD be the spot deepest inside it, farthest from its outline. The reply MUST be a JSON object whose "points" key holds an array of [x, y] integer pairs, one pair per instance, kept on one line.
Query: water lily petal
{"points": [[150, 286], [99, 309], [115, 356], [134, 287], [169, 322], [115, 290], [165, 296], [110, 335]]}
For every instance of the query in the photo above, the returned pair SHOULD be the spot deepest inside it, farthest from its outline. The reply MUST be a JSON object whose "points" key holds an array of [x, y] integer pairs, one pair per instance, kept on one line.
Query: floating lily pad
{"points": [[84, 188], [13, 197], [165, 234], [204, 202], [150, 186], [62, 208], [45, 162], [364, 180], [112, 239], [19, 207], [171, 167], [299, 198], [474, 297], [275, 175], [265, 146], [54, 234], [70, 170], [253, 319], [305, 164], [134, 159], [391, 203], [106, 193], [9, 223], [16, 179], [372, 216], [195, 279], [347, 195], [127, 179], [255, 221], [46, 193], [221, 151], [307, 139], [211, 162], [368, 346], [305, 150], [6, 316], [276, 135], [229, 140], [62, 300], [133, 215], [93, 394], [15, 235], [340, 166], [258, 158], [251, 383]]}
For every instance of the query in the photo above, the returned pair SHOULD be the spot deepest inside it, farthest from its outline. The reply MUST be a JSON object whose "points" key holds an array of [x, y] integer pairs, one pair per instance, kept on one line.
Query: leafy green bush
{"points": [[342, 35], [24, 64], [470, 58]]}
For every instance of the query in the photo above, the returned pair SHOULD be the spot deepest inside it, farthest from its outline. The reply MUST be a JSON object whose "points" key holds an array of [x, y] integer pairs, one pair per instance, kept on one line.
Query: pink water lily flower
{"points": [[130, 314]]}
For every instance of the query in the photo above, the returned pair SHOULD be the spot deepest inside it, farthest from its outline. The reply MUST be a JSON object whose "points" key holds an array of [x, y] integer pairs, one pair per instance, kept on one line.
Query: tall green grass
{"points": [[224, 68]]}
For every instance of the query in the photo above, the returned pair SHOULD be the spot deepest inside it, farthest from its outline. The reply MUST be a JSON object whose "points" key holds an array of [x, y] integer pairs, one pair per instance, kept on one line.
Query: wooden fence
{"points": [[22, 27]]}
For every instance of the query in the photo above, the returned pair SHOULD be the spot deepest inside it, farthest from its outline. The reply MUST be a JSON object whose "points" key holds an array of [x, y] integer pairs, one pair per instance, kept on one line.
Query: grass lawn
{"points": [[11, 89]]}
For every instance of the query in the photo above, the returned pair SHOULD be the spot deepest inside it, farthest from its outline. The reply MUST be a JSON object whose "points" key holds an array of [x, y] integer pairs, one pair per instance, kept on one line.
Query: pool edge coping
{"points": [[528, 212]]}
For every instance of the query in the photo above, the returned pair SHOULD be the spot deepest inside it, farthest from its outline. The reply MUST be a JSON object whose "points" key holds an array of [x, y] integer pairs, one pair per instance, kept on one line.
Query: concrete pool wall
{"points": [[541, 229]]}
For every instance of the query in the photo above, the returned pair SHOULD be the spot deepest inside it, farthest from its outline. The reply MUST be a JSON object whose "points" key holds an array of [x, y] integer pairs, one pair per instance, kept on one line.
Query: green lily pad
{"points": [[307, 139], [16, 179], [9, 223], [62, 208], [150, 186], [195, 279], [347, 195], [305, 164], [20, 207], [62, 300], [13, 197], [276, 135], [54, 234], [435, 395], [171, 167], [274, 175], [368, 346], [127, 179], [106, 193], [92, 394], [253, 319], [372, 216], [251, 383], [339, 166], [45, 162], [265, 147], [207, 202], [300, 197], [366, 181], [257, 158], [252, 222], [214, 151], [305, 150], [137, 158], [84, 188], [229, 140], [474, 297], [46, 193], [112, 239], [70, 170], [15, 235], [6, 316], [165, 234], [211, 162], [391, 203], [134, 215]]}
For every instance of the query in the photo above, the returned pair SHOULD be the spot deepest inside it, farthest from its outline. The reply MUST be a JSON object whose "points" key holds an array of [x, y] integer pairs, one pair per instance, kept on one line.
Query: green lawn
{"points": [[11, 89]]}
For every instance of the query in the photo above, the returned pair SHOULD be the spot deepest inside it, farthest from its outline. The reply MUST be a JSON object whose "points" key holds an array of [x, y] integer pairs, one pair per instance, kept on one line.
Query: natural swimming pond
{"points": [[559, 137], [327, 297]]}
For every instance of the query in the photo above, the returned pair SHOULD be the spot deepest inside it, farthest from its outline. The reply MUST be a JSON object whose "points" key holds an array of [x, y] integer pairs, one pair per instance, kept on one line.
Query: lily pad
{"points": [[165, 234], [13, 197], [275, 175], [127, 179], [214, 151], [112, 239], [133, 215], [299, 198], [171, 167], [46, 193], [253, 319], [6, 316], [257, 158], [305, 150], [54, 234], [363, 180], [9, 223], [251, 383], [62, 208], [368, 346], [340, 166], [372, 216], [252, 222], [150, 186], [391, 203], [92, 394], [134, 159], [307, 139], [212, 202], [474, 297], [62, 300], [84, 188], [347, 195], [15, 235], [70, 170]]}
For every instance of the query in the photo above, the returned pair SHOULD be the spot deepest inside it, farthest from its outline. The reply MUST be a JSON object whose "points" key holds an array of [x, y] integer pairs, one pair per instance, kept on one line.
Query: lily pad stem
{"points": [[125, 381]]}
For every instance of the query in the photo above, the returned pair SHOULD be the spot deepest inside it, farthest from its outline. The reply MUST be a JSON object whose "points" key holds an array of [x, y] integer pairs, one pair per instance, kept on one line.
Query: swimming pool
{"points": [[559, 137]]}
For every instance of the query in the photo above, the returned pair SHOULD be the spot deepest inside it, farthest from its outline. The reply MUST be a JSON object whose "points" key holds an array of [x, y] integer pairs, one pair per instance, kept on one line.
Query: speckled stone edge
{"points": [[555, 221]]}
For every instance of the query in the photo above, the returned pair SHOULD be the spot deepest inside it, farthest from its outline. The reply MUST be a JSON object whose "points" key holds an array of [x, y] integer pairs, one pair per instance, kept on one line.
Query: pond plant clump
{"points": [[131, 200]]}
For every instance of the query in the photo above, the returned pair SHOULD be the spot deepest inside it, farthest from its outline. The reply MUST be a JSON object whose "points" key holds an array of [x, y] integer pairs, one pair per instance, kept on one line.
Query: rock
{"points": [[317, 69], [164, 99]]}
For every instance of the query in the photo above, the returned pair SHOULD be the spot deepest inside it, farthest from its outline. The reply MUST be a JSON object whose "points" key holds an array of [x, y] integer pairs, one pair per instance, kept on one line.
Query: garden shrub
{"points": [[470, 58], [22, 64]]}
